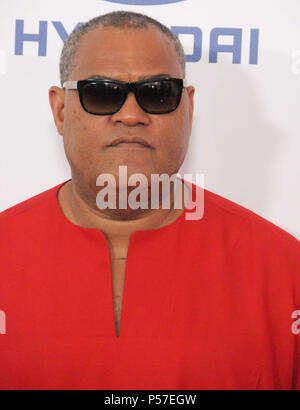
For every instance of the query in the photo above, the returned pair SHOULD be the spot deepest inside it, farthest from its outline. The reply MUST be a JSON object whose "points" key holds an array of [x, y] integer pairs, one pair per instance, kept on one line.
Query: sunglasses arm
{"points": [[70, 85]]}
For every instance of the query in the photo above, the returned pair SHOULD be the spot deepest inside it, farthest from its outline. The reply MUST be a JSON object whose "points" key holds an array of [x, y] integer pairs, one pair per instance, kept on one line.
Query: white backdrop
{"points": [[245, 138]]}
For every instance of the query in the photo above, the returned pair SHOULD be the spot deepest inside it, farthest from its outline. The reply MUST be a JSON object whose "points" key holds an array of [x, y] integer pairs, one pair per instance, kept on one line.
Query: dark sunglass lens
{"points": [[159, 96], [102, 97]]}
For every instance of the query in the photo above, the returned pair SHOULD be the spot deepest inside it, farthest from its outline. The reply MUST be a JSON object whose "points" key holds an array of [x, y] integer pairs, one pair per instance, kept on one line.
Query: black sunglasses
{"points": [[106, 97]]}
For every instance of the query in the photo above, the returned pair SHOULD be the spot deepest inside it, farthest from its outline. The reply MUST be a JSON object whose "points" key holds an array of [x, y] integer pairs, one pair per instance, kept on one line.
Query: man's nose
{"points": [[131, 113]]}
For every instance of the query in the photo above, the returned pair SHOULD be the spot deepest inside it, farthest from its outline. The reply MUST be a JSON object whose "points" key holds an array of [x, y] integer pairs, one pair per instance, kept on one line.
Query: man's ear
{"points": [[191, 92], [56, 99]]}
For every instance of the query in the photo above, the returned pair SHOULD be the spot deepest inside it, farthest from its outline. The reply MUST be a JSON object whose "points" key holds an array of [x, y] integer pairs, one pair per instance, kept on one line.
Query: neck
{"points": [[114, 222]]}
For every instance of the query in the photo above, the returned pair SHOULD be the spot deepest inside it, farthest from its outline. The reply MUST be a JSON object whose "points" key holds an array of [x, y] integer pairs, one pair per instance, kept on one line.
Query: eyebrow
{"points": [[100, 77]]}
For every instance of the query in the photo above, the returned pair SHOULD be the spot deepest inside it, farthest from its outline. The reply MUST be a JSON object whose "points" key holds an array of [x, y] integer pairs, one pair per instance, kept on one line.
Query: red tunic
{"points": [[207, 304]]}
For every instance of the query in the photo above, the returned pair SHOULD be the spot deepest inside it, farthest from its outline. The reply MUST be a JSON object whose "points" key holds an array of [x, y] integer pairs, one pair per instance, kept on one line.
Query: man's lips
{"points": [[129, 145], [130, 142]]}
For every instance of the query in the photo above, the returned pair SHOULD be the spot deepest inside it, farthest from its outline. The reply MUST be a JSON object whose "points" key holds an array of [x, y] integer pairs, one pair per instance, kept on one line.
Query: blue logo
{"points": [[144, 2], [238, 41]]}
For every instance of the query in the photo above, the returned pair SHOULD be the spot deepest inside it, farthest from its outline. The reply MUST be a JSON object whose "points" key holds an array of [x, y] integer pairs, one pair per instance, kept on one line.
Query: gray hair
{"points": [[122, 19]]}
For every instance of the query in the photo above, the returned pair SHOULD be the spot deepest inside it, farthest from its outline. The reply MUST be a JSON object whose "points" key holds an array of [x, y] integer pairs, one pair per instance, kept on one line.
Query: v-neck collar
{"points": [[148, 251]]}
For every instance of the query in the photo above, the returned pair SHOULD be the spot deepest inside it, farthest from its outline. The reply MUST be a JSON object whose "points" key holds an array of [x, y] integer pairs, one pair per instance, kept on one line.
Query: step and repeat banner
{"points": [[243, 57]]}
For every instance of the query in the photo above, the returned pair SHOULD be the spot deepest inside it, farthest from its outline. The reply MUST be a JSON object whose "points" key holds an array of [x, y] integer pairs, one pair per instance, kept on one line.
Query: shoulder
{"points": [[236, 223], [249, 221], [250, 244], [30, 211]]}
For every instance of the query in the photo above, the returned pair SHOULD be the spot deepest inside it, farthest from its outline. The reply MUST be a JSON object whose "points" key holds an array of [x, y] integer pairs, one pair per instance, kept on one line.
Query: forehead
{"points": [[126, 54]]}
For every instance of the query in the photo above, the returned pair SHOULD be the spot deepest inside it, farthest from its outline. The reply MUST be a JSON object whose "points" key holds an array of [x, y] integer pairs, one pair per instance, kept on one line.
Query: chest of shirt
{"points": [[193, 316]]}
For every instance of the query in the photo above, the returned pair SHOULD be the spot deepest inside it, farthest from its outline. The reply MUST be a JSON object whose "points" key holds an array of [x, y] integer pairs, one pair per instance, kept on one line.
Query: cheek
{"points": [[81, 139], [174, 138]]}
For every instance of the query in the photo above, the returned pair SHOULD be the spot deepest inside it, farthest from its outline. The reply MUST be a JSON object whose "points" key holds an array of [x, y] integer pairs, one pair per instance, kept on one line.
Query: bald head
{"points": [[118, 20]]}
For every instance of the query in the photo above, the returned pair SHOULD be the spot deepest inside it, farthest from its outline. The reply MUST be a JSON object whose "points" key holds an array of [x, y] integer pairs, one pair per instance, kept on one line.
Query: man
{"points": [[124, 298]]}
